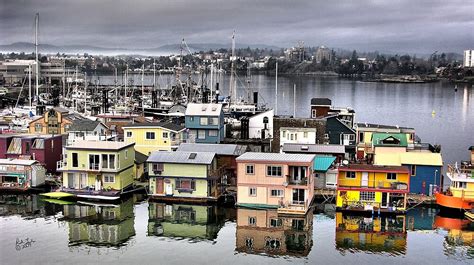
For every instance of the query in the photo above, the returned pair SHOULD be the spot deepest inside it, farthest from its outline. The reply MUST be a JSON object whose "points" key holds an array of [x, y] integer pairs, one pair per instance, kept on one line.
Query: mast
{"points": [[154, 74], [212, 80], [294, 100], [232, 91], [143, 89], [29, 83], [36, 55], [116, 88], [85, 92], [276, 88]]}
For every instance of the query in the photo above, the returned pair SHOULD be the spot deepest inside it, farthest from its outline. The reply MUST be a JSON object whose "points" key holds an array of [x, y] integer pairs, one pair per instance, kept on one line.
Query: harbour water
{"points": [[136, 231]]}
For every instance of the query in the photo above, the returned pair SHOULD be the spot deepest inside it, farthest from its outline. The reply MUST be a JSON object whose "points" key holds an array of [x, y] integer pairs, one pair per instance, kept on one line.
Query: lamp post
{"points": [[436, 171]]}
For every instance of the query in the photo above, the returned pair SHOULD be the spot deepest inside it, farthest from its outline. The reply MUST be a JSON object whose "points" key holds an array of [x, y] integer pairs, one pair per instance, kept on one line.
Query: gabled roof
{"points": [[321, 102], [323, 163], [210, 109], [166, 125], [180, 157], [389, 139], [276, 157], [219, 149], [314, 148], [84, 125]]}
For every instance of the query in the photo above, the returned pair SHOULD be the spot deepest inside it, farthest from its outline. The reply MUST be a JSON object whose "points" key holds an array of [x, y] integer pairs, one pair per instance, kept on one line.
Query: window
{"points": [[94, 162], [277, 193], [275, 222], [108, 161], [186, 184], [150, 135], [191, 118], [391, 176], [313, 113], [213, 121], [203, 121], [249, 169], [38, 127], [75, 160], [252, 220], [367, 196], [291, 137], [413, 170], [27, 147], [165, 135], [274, 171], [109, 178], [305, 134], [283, 134], [350, 175], [253, 192], [129, 134], [201, 134], [361, 137], [213, 133]]}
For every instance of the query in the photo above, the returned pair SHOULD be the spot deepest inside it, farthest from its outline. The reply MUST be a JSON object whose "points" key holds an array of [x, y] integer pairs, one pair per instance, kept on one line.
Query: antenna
{"points": [[232, 90]]}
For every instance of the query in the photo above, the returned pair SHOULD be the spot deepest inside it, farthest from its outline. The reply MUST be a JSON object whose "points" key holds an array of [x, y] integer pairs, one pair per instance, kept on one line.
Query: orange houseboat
{"points": [[460, 194]]}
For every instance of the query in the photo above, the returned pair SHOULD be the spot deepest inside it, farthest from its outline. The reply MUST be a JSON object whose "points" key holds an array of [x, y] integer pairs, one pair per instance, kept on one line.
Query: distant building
{"points": [[323, 53], [205, 122], [468, 58], [296, 54], [15, 71]]}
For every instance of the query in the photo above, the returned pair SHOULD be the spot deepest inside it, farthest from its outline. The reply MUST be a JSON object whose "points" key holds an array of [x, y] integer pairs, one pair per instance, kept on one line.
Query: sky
{"points": [[412, 26]]}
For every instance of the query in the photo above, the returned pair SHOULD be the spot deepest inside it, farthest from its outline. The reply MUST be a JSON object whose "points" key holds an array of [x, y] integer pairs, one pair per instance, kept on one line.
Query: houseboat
{"points": [[21, 174], [97, 170], [274, 180]]}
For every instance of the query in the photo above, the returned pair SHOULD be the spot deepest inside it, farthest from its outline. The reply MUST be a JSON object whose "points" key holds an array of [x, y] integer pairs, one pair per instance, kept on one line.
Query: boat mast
{"points": [[276, 88], [154, 74], [232, 71], [36, 53], [212, 81], [143, 89], [85, 92], [29, 83]]}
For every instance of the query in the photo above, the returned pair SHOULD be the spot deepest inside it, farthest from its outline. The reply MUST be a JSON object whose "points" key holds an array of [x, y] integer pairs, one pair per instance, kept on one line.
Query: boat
{"points": [[460, 194], [469, 215], [57, 195]]}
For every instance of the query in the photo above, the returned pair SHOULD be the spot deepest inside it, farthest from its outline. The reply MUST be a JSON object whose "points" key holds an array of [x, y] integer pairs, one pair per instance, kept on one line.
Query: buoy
{"points": [[433, 113]]}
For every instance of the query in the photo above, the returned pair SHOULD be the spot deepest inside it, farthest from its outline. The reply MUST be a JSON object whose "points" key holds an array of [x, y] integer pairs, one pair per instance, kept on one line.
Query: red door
{"points": [[159, 186]]}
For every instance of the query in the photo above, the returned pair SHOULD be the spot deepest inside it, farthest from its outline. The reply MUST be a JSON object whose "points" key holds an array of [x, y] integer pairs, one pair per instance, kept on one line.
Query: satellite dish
{"points": [[345, 162]]}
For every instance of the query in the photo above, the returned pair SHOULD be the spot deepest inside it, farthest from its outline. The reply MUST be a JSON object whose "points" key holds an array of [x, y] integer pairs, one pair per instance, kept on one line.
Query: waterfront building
{"points": [[14, 71], [335, 150], [273, 180], [264, 231], [88, 130], [183, 176], [21, 174], [205, 122], [46, 149], [225, 158], [196, 222], [363, 187], [158, 136], [322, 107], [325, 176], [97, 224], [97, 169], [468, 58], [54, 121], [115, 121], [297, 126], [425, 168], [260, 125], [386, 234]]}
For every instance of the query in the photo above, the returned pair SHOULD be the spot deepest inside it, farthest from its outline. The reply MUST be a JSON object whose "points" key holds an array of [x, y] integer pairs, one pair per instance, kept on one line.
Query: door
{"points": [[159, 186], [169, 189], [83, 180], [384, 203], [298, 196], [70, 180], [365, 179], [98, 183]]}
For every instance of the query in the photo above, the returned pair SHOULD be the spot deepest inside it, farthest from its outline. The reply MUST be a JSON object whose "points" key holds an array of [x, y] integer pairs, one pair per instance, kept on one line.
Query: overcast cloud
{"points": [[414, 26]]}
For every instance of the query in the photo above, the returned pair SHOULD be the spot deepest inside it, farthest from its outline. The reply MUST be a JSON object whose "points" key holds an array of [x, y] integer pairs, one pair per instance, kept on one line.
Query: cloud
{"points": [[409, 26]]}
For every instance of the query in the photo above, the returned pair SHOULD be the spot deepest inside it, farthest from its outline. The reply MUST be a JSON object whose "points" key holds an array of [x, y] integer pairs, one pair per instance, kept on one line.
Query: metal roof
{"points": [[314, 148], [219, 149], [276, 157], [323, 163], [84, 125], [180, 157], [193, 109], [18, 162]]}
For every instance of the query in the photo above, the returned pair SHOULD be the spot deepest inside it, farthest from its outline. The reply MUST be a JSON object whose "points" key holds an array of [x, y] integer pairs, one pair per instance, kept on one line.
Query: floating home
{"points": [[97, 170], [372, 189], [273, 180], [21, 174]]}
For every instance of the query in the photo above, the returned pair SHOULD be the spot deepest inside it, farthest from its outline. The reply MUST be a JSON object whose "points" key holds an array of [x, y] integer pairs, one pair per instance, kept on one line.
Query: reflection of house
{"points": [[21, 174], [225, 157], [183, 175], [274, 180], [380, 234], [149, 137], [265, 232], [198, 222], [92, 224], [372, 188], [26, 205], [99, 169], [46, 149]]}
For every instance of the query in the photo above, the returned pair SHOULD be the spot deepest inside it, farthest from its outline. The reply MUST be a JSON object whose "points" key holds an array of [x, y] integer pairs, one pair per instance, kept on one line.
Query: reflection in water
{"points": [[459, 239], [28, 206], [265, 232], [421, 218], [197, 222], [100, 224], [373, 235]]}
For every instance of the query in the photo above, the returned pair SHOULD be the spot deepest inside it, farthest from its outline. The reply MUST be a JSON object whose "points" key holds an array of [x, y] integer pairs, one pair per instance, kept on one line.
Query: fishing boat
{"points": [[460, 194]]}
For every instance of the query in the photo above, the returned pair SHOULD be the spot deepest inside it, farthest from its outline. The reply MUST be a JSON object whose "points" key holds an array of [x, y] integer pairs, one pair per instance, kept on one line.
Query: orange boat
{"points": [[460, 194]]}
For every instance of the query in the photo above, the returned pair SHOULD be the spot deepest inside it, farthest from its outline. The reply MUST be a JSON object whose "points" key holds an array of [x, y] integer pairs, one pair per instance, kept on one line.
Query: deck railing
{"points": [[292, 181], [391, 185]]}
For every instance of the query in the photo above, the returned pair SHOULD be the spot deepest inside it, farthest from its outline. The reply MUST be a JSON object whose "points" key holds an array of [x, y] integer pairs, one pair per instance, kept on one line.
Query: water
{"points": [[141, 232], [408, 105]]}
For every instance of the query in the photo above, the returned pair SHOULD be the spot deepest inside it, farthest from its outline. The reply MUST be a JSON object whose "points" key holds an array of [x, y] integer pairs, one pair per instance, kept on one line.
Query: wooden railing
{"points": [[392, 185]]}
